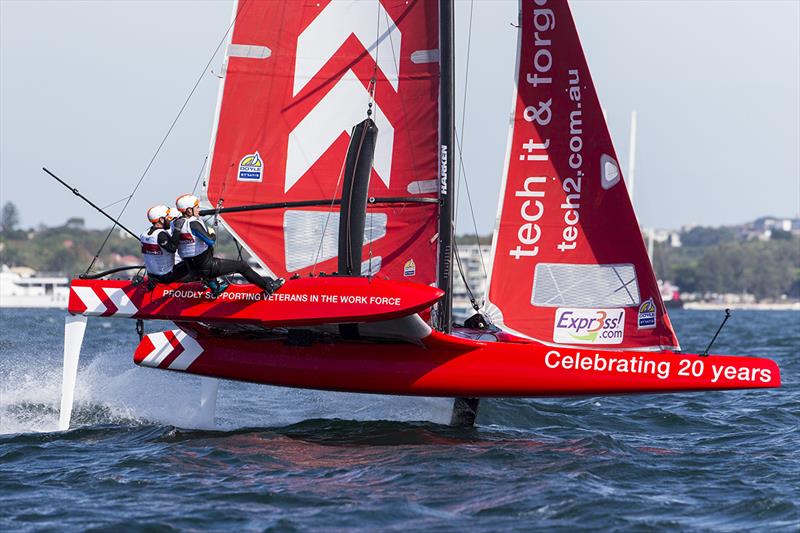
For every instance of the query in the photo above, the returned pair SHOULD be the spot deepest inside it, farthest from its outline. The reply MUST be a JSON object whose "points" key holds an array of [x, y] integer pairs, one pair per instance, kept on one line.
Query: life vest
{"points": [[189, 246], [157, 260]]}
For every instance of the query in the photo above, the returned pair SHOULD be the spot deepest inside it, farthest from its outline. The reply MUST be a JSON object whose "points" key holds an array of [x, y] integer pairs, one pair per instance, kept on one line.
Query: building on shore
{"points": [[21, 287]]}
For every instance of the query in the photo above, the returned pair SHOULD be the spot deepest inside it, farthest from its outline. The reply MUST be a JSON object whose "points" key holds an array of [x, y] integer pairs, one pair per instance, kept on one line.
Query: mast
{"points": [[465, 410], [444, 316]]}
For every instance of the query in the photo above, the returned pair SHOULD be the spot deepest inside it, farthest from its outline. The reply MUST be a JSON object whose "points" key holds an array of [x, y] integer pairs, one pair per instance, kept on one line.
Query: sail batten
{"points": [[569, 262]]}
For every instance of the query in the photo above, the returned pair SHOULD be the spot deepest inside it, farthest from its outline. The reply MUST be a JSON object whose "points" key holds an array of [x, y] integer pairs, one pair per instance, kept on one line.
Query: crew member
{"points": [[196, 247], [159, 246]]}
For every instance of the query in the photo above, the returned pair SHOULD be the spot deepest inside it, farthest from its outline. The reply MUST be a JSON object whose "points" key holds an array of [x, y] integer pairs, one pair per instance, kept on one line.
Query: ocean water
{"points": [[138, 456]]}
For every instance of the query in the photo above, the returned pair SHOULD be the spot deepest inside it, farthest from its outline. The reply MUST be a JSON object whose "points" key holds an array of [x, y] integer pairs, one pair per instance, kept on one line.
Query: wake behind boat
{"points": [[332, 152]]}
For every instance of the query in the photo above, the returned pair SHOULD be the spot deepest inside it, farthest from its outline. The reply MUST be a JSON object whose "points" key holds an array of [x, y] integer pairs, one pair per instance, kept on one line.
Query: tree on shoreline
{"points": [[9, 217], [765, 269]]}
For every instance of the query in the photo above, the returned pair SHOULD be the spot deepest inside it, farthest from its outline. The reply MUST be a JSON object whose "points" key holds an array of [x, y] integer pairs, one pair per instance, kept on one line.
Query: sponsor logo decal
{"points": [[410, 268], [251, 168], [609, 172], [151, 249], [589, 326], [443, 170], [647, 315]]}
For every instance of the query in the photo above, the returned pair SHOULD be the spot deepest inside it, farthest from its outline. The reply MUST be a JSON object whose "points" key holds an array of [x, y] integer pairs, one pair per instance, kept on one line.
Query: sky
{"points": [[88, 89]]}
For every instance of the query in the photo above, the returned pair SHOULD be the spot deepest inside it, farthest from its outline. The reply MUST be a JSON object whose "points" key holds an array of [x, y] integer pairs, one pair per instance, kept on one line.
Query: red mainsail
{"points": [[298, 76], [569, 263]]}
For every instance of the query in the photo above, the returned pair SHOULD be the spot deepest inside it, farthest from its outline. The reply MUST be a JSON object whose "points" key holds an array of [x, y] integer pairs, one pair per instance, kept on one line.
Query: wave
{"points": [[110, 390]]}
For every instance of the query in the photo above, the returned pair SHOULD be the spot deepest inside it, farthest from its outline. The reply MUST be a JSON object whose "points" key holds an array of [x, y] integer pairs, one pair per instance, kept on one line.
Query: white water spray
{"points": [[208, 401]]}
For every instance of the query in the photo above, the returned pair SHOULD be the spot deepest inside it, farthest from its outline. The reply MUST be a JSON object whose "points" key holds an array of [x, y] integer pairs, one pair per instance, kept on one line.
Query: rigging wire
{"points": [[169, 131], [219, 206], [472, 212], [200, 174], [464, 279], [115, 203], [374, 81], [466, 70], [462, 173], [328, 218], [373, 87]]}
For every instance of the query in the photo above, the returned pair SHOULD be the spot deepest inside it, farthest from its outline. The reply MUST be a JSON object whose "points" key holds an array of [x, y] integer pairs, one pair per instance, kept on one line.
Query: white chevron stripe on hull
{"points": [[119, 304], [163, 348], [94, 306], [191, 351], [125, 307]]}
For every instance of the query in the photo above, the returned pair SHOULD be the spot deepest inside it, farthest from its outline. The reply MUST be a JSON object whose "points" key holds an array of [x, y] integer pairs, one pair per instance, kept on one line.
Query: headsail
{"points": [[569, 263], [298, 77]]}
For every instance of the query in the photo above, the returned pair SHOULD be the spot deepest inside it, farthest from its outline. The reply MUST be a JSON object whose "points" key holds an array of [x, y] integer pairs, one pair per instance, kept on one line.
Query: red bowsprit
{"points": [[305, 301]]}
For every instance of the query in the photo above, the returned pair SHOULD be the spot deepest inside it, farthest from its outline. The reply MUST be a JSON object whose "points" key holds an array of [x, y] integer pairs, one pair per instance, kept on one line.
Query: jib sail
{"points": [[569, 263], [298, 77]]}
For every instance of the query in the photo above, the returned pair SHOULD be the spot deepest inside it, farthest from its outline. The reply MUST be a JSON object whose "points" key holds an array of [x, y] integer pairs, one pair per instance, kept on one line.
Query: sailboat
{"points": [[332, 164]]}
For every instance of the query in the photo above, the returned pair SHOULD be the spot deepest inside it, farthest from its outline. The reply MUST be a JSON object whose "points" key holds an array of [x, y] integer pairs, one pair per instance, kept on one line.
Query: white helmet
{"points": [[157, 212], [186, 201]]}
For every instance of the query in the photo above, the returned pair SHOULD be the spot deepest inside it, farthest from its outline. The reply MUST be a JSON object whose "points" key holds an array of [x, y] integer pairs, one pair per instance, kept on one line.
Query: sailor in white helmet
{"points": [[159, 246], [196, 247]]}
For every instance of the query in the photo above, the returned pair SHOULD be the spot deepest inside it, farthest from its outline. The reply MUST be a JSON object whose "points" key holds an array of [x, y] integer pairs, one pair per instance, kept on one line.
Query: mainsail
{"points": [[569, 263], [298, 77]]}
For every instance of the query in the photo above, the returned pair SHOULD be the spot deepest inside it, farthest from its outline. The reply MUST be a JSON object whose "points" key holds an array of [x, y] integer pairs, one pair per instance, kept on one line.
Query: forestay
{"points": [[298, 76], [569, 263]]}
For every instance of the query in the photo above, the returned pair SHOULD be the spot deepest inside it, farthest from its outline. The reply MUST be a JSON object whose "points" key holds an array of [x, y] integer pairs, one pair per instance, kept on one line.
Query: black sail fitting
{"points": [[353, 210], [355, 188]]}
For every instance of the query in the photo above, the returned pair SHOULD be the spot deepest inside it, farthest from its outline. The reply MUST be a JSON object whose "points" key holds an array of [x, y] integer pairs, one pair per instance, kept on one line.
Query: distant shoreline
{"points": [[707, 306]]}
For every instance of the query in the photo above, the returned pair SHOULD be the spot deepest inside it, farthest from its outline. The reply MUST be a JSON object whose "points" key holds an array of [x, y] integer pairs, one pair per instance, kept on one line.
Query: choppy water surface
{"points": [[137, 457]]}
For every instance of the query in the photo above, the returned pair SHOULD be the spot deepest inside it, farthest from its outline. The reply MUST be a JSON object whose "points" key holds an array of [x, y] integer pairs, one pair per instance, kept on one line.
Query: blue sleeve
{"points": [[199, 232]]}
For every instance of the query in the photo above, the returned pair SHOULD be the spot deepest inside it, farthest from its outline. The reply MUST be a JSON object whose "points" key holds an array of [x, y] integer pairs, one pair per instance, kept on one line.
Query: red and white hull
{"points": [[304, 301], [294, 340], [448, 365]]}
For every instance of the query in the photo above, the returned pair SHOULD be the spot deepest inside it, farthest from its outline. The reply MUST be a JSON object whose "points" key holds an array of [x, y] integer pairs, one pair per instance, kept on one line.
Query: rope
{"points": [[169, 131]]}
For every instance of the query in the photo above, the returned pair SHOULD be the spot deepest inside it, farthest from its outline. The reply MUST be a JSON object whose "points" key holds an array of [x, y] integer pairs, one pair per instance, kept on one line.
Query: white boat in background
{"points": [[20, 287]]}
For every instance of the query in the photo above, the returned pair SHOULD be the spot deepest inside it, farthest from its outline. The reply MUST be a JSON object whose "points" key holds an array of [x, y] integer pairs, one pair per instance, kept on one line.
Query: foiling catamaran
{"points": [[333, 152]]}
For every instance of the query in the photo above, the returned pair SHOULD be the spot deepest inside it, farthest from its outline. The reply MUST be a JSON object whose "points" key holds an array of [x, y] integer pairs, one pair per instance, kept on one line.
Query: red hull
{"points": [[446, 365], [424, 362], [305, 301]]}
